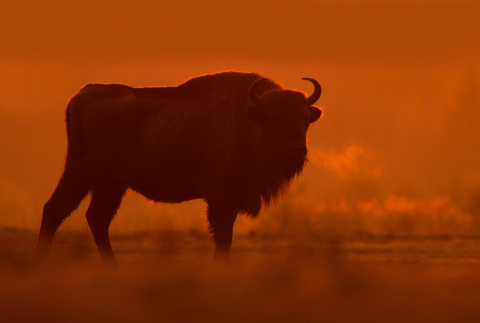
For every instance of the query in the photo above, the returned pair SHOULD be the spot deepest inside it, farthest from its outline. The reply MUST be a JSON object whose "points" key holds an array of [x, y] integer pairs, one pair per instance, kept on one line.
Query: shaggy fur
{"points": [[204, 139]]}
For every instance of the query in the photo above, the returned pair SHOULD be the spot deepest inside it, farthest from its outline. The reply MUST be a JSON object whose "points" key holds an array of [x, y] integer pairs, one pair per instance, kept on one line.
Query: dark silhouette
{"points": [[234, 139]]}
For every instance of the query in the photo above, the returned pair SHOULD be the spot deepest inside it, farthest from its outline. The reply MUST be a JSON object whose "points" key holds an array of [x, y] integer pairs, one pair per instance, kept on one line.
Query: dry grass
{"points": [[168, 277]]}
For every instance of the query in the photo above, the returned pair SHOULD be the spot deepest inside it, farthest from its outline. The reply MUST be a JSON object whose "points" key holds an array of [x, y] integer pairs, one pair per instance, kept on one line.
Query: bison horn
{"points": [[253, 90], [316, 93]]}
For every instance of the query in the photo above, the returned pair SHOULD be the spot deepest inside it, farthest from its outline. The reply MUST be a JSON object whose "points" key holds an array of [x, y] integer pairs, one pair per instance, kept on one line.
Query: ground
{"points": [[169, 277]]}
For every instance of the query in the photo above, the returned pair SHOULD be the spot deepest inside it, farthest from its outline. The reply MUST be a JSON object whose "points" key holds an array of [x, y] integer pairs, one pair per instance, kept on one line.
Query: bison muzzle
{"points": [[235, 140]]}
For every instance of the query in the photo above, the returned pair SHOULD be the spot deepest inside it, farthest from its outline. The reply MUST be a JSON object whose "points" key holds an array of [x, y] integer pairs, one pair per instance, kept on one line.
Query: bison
{"points": [[235, 140]]}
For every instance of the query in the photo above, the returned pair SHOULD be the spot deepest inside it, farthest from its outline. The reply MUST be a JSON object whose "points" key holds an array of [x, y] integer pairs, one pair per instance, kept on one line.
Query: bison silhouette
{"points": [[235, 140]]}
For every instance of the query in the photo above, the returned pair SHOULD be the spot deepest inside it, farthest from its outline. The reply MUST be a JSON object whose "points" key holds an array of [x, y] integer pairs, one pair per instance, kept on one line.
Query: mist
{"points": [[382, 225]]}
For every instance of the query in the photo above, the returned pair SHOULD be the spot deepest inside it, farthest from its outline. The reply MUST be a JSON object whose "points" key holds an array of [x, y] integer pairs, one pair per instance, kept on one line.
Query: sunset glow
{"points": [[400, 86], [393, 172]]}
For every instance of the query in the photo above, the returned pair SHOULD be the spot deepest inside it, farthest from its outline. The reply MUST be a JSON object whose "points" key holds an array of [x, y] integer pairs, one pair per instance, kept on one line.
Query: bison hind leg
{"points": [[221, 220], [70, 191], [106, 198]]}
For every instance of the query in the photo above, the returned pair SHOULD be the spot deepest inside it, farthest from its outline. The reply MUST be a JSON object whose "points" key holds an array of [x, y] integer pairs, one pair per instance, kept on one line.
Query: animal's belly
{"points": [[166, 174], [166, 190]]}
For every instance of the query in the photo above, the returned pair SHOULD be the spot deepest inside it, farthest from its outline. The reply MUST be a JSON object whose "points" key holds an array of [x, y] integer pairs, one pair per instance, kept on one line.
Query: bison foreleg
{"points": [[221, 221], [106, 199]]}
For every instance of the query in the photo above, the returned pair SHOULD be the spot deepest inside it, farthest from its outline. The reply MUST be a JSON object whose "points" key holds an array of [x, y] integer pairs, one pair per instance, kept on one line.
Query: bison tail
{"points": [[73, 121]]}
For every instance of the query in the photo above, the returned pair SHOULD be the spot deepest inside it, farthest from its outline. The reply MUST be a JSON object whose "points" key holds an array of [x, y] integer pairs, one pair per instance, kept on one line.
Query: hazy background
{"points": [[396, 152]]}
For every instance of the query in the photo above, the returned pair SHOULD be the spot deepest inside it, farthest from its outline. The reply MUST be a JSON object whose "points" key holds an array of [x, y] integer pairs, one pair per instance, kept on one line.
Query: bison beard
{"points": [[235, 140]]}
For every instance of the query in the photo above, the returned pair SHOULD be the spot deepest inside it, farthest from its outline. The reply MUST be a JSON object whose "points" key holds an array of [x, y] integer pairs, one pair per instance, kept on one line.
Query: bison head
{"points": [[285, 116]]}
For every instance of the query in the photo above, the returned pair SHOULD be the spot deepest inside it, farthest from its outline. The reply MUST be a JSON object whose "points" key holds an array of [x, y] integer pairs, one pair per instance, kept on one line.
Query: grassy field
{"points": [[169, 277]]}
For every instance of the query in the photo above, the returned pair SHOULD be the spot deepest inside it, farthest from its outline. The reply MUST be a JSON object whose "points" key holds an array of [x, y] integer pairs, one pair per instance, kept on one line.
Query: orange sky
{"points": [[400, 79]]}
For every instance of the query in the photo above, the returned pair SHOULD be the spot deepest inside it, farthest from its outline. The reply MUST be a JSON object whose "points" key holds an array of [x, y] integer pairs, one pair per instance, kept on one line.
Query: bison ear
{"points": [[315, 114], [256, 114]]}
